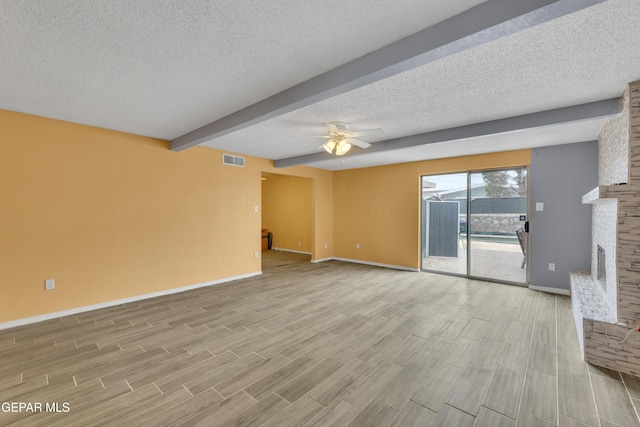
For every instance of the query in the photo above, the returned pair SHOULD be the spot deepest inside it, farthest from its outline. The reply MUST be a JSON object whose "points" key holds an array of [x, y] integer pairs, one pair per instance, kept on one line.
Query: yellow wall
{"points": [[379, 207], [322, 205], [287, 211], [111, 215]]}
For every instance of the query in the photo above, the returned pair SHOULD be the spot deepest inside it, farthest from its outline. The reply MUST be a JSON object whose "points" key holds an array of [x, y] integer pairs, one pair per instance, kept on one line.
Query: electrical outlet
{"points": [[255, 254], [326, 245], [539, 206], [357, 245], [299, 243], [552, 266], [49, 284], [256, 209]]}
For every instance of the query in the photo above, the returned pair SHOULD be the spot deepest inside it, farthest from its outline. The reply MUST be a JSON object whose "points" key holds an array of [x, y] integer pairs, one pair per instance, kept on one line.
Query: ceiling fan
{"points": [[341, 138]]}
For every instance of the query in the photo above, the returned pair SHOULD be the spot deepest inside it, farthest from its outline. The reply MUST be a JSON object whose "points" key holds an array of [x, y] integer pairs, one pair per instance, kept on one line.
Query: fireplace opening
{"points": [[602, 267]]}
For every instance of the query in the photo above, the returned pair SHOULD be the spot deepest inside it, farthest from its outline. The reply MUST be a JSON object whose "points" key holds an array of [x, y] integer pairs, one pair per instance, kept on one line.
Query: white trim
{"points": [[551, 290], [322, 260], [290, 250], [377, 264], [49, 316]]}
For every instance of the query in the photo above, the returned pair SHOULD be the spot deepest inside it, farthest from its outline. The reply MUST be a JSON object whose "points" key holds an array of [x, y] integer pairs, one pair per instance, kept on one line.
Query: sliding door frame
{"points": [[468, 275]]}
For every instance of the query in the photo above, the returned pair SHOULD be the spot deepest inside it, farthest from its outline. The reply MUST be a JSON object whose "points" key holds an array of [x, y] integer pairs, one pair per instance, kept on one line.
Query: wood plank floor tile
{"points": [[564, 421], [384, 349], [604, 372], [110, 409], [450, 416], [48, 394], [577, 401], [78, 405], [514, 356], [270, 383], [306, 381], [542, 358], [363, 391], [475, 329], [489, 418], [539, 395], [375, 413], [338, 413], [487, 353], [460, 352], [219, 412], [526, 419], [570, 361], [336, 383], [249, 376], [173, 414], [305, 346], [613, 402], [137, 414], [14, 392], [498, 330], [210, 379], [298, 414], [521, 331], [469, 390], [414, 415], [504, 391], [341, 342], [402, 387], [259, 413], [545, 333], [434, 392]]}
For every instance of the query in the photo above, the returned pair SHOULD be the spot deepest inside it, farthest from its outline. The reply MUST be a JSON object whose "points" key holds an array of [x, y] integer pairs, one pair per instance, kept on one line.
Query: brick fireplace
{"points": [[606, 300]]}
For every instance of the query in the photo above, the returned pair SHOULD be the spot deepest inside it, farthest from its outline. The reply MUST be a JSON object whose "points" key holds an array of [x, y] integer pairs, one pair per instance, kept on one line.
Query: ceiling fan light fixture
{"points": [[343, 147], [329, 146]]}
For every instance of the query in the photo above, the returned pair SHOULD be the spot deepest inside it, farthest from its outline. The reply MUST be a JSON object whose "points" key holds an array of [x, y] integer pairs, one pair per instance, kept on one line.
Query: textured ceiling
{"points": [[164, 68]]}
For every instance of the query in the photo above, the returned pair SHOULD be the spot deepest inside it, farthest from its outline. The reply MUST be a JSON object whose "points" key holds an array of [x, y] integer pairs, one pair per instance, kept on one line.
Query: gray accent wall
{"points": [[559, 176]]}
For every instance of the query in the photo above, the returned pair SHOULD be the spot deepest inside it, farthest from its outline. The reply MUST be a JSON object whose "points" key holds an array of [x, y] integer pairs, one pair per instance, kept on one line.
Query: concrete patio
{"points": [[497, 260]]}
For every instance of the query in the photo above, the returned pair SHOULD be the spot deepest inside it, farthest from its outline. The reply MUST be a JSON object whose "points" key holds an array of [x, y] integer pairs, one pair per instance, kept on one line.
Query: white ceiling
{"points": [[164, 68]]}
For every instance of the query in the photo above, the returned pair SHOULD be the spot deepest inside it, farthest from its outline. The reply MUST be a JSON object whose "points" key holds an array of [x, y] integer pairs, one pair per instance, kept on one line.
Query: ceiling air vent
{"points": [[228, 159]]}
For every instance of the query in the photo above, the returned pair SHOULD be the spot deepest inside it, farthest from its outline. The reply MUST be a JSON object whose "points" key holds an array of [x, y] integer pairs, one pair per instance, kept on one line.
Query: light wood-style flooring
{"points": [[326, 344]]}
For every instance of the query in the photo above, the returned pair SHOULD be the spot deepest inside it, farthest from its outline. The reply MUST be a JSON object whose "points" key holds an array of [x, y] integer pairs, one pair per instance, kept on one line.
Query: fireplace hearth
{"points": [[606, 300]]}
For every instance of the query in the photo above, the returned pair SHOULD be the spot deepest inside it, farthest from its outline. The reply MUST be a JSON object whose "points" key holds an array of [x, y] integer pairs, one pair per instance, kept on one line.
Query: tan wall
{"points": [[111, 215], [322, 182], [379, 207], [287, 211]]}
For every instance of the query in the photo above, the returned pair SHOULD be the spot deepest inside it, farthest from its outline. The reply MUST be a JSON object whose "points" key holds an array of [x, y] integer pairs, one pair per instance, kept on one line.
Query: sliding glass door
{"points": [[473, 224], [444, 223]]}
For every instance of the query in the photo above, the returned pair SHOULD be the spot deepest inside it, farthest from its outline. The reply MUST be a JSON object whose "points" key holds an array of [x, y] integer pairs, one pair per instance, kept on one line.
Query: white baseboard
{"points": [[290, 250], [72, 311], [550, 290], [322, 260], [377, 264]]}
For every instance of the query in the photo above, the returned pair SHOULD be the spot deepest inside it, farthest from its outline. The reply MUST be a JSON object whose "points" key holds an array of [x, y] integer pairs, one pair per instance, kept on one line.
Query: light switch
{"points": [[540, 206]]}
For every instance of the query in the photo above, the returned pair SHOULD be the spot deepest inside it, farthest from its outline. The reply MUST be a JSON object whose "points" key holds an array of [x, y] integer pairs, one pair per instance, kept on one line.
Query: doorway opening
{"points": [[287, 220], [473, 224]]}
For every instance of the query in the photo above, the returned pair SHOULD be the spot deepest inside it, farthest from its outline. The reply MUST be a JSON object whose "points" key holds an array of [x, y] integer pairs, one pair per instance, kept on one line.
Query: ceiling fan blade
{"points": [[310, 136], [359, 143], [368, 132], [332, 127]]}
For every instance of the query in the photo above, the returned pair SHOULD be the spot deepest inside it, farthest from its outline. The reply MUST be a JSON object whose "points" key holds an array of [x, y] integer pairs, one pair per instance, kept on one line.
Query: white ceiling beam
{"points": [[481, 24], [593, 110]]}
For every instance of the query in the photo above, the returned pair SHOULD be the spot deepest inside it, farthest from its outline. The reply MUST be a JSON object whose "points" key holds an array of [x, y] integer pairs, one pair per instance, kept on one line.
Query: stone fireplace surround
{"points": [[606, 311]]}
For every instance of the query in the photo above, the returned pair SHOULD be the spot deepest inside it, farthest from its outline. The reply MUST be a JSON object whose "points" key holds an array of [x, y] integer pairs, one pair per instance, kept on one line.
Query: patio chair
{"points": [[522, 238]]}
